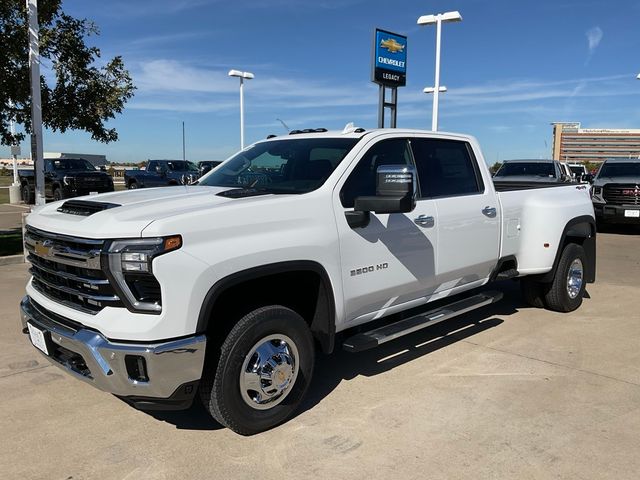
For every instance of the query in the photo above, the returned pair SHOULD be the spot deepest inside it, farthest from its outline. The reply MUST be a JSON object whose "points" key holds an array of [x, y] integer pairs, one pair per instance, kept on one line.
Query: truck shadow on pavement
{"points": [[194, 418], [331, 370], [619, 229]]}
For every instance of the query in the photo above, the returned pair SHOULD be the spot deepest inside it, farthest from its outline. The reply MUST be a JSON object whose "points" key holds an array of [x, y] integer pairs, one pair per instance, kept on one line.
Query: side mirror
{"points": [[395, 193], [103, 168], [587, 177]]}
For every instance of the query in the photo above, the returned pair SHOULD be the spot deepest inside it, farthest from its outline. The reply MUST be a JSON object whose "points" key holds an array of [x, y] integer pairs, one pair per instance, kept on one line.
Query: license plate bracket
{"points": [[39, 338]]}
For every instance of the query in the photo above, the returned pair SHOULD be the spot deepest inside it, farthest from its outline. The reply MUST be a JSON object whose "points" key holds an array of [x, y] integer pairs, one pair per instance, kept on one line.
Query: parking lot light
{"points": [[438, 20], [242, 76]]}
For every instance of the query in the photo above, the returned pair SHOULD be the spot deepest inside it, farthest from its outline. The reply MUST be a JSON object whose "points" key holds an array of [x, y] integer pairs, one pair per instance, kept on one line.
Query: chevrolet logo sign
{"points": [[43, 249], [392, 45]]}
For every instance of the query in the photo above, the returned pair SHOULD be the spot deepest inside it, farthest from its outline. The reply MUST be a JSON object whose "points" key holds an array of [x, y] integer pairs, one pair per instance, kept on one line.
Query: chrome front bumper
{"points": [[87, 355]]}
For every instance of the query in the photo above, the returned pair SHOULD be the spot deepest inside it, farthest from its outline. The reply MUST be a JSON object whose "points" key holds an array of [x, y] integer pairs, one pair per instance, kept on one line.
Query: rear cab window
{"points": [[446, 168]]}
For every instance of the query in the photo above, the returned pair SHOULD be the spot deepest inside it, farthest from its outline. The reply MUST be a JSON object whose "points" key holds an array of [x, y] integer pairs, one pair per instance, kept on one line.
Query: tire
{"points": [[133, 185], [25, 193], [532, 292], [225, 390], [565, 292], [57, 194]]}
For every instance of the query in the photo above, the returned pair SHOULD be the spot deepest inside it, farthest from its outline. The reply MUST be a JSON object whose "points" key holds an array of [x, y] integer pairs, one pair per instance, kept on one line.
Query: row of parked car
{"points": [[545, 171], [75, 177], [162, 173], [615, 188]]}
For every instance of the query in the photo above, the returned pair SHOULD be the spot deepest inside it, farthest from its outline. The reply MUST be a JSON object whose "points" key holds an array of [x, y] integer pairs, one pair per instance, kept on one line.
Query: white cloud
{"points": [[180, 86], [594, 37]]}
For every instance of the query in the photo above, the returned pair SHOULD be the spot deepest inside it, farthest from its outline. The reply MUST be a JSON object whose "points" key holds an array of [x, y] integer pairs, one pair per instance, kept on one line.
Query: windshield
{"points": [[282, 166], [539, 169], [630, 169], [72, 164]]}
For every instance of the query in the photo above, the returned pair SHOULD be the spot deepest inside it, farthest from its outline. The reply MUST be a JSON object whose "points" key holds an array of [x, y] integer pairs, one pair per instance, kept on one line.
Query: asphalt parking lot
{"points": [[508, 392]]}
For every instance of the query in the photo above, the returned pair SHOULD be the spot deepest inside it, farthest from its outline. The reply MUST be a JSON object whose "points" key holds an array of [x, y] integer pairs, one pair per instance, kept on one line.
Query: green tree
{"points": [[495, 167], [81, 92]]}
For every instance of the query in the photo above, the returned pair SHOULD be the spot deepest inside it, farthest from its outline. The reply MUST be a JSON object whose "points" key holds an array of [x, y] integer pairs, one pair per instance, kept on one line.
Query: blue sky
{"points": [[511, 68]]}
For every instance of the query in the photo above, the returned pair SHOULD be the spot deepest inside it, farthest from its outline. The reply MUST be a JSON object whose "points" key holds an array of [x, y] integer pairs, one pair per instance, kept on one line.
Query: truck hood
{"points": [[601, 181], [127, 213]]}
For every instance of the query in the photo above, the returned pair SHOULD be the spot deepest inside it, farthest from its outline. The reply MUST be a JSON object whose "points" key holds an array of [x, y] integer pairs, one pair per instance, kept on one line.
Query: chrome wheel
{"points": [[269, 371], [575, 278]]}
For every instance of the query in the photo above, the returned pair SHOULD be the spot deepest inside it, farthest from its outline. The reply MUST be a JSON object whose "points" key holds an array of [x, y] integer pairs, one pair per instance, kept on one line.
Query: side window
{"points": [[48, 166], [151, 166], [362, 180], [446, 168]]}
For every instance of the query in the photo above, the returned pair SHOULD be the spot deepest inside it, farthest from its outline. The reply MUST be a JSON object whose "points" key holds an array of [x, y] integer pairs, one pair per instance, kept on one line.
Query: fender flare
{"points": [[583, 226], [323, 325]]}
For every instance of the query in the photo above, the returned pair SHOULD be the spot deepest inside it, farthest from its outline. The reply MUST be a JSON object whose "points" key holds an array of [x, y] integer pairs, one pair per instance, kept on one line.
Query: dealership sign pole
{"points": [[389, 65], [36, 101]]}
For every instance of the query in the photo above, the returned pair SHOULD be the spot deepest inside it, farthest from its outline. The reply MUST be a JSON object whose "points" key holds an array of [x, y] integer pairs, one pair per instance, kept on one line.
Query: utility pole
{"points": [[14, 189], [36, 101], [184, 157]]}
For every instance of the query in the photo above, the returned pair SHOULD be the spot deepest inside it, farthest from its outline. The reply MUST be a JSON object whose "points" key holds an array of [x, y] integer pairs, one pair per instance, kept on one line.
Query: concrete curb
{"points": [[11, 260]]}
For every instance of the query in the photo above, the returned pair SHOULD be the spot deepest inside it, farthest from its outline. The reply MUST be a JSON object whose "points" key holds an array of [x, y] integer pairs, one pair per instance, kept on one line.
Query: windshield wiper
{"points": [[250, 192]]}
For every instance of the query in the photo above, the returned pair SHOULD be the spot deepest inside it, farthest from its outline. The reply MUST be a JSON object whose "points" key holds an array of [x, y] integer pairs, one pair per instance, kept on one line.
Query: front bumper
{"points": [[616, 213], [172, 369]]}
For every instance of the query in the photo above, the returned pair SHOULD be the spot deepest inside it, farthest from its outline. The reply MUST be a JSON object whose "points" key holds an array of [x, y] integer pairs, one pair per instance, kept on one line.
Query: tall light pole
{"points": [[438, 20], [242, 76], [36, 101], [184, 156]]}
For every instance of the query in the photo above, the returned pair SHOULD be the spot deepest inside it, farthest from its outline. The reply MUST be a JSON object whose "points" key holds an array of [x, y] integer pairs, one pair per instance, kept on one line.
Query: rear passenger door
{"points": [[468, 221]]}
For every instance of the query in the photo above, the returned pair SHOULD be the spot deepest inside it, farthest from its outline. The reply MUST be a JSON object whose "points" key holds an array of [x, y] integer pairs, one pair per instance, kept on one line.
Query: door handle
{"points": [[489, 211], [424, 221]]}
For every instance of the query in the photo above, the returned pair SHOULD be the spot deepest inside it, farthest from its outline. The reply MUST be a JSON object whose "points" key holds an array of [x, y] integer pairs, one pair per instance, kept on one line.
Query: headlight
{"points": [[129, 265]]}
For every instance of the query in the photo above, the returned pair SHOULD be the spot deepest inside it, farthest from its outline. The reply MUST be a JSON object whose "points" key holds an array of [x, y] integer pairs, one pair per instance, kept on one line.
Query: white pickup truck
{"points": [[227, 289]]}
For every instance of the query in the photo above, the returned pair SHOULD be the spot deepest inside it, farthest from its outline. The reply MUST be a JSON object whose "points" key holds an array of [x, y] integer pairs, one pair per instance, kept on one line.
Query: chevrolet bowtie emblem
{"points": [[43, 249], [392, 45]]}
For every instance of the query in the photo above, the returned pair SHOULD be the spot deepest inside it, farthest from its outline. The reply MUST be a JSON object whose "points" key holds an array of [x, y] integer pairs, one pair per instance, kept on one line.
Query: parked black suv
{"points": [[616, 191], [65, 178]]}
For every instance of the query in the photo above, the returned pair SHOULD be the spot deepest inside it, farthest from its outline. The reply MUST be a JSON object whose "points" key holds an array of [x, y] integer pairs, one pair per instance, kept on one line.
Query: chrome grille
{"points": [[622, 194], [67, 269]]}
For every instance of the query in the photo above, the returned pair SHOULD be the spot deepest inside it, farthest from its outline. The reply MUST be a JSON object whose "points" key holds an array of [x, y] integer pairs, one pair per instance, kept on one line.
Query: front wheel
{"points": [[565, 292], [262, 373], [57, 194]]}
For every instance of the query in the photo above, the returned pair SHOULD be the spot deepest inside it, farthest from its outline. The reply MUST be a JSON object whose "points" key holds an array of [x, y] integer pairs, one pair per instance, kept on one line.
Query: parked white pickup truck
{"points": [[227, 288]]}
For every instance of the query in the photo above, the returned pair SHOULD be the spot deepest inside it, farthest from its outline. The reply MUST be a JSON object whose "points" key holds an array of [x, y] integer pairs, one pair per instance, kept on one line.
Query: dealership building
{"points": [[574, 144]]}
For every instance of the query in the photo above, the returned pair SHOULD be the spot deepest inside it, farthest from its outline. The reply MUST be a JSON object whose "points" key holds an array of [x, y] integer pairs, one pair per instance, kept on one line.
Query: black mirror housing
{"points": [[395, 191], [390, 204]]}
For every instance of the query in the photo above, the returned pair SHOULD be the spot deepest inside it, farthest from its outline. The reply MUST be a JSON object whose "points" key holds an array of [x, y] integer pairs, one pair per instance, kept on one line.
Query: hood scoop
{"points": [[84, 207]]}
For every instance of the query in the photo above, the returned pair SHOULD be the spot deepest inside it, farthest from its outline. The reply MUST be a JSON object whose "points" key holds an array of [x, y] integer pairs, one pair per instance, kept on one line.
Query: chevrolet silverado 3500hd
{"points": [[227, 288]]}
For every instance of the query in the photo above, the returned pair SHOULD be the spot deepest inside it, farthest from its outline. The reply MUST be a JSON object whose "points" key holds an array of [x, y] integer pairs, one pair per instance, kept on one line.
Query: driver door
{"points": [[392, 260]]}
